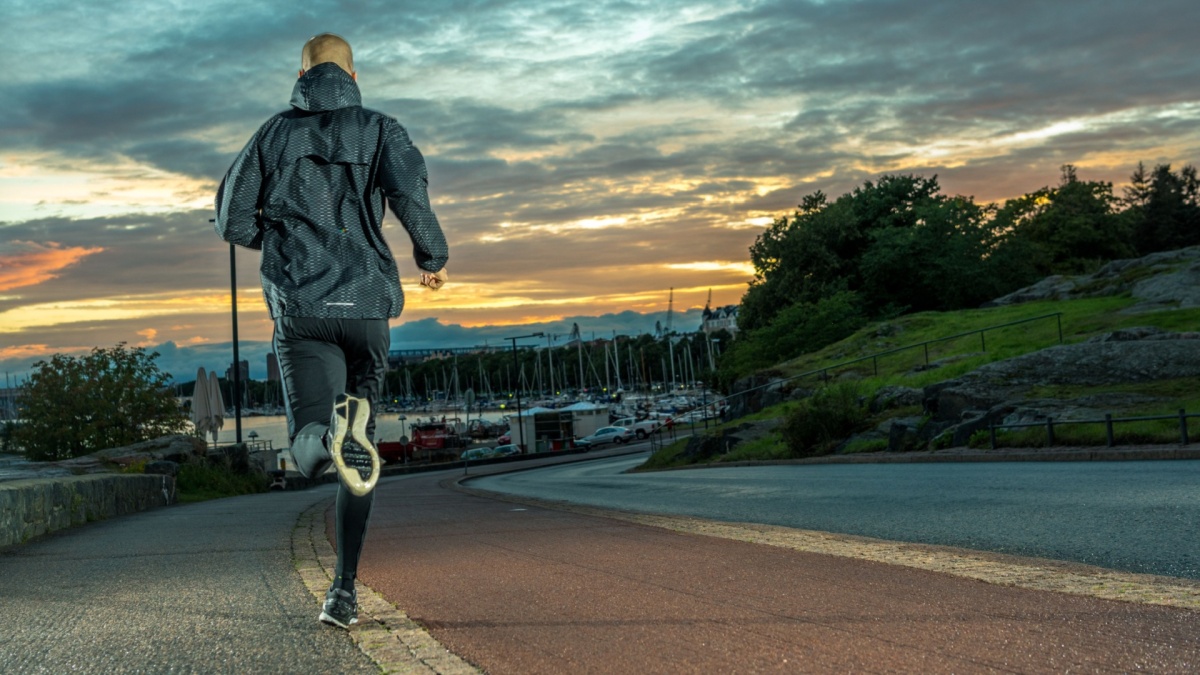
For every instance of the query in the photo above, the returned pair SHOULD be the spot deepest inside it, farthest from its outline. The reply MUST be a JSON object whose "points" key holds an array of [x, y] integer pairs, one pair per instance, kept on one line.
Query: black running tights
{"points": [[319, 359]]}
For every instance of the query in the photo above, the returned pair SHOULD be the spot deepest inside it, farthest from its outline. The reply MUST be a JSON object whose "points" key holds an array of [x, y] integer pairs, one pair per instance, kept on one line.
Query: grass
{"points": [[667, 457], [1150, 432], [1166, 397], [865, 445], [770, 446], [199, 482]]}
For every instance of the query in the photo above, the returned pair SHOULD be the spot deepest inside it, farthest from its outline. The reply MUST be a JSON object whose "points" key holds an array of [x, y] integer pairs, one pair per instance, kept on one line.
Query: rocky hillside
{"points": [[1166, 280], [1013, 390]]}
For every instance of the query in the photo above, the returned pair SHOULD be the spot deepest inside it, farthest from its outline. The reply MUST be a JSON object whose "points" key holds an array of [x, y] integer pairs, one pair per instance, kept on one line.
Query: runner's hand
{"points": [[435, 280]]}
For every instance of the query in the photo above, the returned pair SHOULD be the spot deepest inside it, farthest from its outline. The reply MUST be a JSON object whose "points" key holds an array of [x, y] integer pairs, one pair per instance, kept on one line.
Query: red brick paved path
{"points": [[521, 589]]}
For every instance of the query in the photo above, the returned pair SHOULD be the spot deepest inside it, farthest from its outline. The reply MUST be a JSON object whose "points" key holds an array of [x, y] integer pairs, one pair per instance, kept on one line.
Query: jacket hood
{"points": [[325, 86]]}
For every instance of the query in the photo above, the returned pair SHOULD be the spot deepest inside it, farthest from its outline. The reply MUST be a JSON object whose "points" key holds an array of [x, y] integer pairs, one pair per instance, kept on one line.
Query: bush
{"points": [[797, 330], [110, 398], [823, 420], [199, 480]]}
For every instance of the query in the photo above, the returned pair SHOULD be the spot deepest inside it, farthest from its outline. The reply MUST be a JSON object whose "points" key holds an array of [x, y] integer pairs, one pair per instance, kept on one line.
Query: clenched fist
{"points": [[435, 280]]}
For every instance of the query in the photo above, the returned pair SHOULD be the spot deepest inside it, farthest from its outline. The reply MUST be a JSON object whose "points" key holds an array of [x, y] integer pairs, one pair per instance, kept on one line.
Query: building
{"points": [[721, 318], [243, 371]]}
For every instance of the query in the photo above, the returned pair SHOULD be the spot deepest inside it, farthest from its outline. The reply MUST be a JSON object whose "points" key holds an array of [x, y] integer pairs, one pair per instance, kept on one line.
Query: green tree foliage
{"points": [[109, 398], [798, 329], [1071, 228], [898, 243], [940, 262], [1164, 208]]}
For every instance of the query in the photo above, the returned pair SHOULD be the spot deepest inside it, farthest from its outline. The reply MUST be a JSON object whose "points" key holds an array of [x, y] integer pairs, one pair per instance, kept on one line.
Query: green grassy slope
{"points": [[1080, 320]]}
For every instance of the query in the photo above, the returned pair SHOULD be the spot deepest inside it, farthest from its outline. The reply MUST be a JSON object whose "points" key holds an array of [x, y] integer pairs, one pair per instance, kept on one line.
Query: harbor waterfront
{"points": [[388, 426]]}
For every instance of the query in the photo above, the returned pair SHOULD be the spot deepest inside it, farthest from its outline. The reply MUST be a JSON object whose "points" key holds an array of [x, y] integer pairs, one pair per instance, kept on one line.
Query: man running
{"points": [[308, 191]]}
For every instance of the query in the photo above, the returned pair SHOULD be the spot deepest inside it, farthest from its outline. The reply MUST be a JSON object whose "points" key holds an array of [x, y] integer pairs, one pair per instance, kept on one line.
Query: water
{"points": [[388, 426]]}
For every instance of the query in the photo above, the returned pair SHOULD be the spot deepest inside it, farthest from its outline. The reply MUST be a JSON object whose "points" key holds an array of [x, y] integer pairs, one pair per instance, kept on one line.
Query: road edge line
{"points": [[396, 643]]}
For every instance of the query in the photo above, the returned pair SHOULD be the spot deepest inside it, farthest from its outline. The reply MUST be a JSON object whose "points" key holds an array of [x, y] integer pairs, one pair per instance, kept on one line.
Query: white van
{"points": [[641, 428]]}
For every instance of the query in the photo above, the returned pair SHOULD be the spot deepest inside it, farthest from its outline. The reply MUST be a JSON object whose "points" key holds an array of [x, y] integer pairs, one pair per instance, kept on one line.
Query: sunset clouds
{"points": [[25, 263], [584, 157]]}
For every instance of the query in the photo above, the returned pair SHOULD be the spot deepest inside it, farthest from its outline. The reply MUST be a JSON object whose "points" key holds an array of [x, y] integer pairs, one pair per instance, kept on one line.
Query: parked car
{"points": [[640, 428], [606, 435], [478, 453], [505, 450]]}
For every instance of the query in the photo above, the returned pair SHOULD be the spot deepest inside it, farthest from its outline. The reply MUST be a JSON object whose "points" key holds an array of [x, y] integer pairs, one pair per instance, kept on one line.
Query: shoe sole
{"points": [[327, 619], [351, 414]]}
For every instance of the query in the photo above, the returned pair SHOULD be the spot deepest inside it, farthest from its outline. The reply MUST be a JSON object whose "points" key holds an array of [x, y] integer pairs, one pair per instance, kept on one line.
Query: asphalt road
{"points": [[1132, 516]]}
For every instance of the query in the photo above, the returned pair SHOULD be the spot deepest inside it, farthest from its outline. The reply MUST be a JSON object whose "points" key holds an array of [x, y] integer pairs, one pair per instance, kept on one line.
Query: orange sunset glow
{"points": [[582, 165]]}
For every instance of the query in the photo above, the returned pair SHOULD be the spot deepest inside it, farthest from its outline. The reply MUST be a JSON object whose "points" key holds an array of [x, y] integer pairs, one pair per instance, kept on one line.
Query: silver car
{"points": [[607, 435]]}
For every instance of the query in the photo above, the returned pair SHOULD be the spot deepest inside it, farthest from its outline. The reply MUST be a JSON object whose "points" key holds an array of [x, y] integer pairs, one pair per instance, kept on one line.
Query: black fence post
{"points": [[1049, 432], [875, 363], [982, 341], [1058, 317], [926, 353], [992, 432], [1108, 429], [1183, 434]]}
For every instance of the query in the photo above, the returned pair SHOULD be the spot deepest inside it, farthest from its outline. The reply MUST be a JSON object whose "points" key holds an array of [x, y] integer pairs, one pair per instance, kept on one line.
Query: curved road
{"points": [[1132, 516]]}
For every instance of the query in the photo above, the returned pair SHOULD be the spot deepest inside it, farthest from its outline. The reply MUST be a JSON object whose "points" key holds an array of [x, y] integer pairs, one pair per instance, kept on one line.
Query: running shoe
{"points": [[354, 455], [341, 608]]}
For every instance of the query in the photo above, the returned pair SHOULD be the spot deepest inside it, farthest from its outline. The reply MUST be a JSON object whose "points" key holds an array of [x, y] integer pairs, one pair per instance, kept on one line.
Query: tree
{"points": [[938, 263], [1073, 226], [1164, 208], [817, 252], [799, 329], [109, 398]]}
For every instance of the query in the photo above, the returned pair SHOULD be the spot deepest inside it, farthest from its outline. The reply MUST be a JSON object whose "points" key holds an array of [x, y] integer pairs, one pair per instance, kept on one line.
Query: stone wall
{"points": [[33, 507]]}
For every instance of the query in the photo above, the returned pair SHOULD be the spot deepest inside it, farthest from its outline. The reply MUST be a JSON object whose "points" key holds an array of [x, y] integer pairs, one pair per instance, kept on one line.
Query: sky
{"points": [[585, 157]]}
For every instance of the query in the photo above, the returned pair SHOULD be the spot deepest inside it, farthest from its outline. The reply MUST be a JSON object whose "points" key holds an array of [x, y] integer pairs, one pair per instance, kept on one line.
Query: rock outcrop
{"points": [[1000, 392], [1165, 280], [178, 449]]}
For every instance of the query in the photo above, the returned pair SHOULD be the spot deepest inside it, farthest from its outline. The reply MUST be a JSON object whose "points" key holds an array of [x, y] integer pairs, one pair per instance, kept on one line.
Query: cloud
{"points": [[584, 157], [31, 263]]}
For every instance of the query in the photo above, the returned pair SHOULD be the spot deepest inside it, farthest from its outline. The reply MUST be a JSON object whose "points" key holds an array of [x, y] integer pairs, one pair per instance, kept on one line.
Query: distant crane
{"points": [[670, 310], [667, 332]]}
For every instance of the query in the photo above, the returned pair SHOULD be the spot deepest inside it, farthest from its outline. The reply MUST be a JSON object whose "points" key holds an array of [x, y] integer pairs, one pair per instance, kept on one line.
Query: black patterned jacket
{"points": [[308, 190]]}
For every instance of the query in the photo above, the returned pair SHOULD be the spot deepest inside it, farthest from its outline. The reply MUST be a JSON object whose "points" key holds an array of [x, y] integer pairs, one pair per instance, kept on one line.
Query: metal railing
{"points": [[1108, 423], [874, 358]]}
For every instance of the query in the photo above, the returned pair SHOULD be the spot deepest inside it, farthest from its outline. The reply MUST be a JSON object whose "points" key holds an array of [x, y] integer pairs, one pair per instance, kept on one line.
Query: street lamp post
{"points": [[403, 439], [517, 367], [236, 384], [237, 366]]}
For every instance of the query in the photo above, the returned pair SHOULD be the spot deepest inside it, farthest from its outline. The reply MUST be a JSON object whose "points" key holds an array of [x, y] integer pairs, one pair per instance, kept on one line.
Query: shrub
{"points": [[823, 420], [199, 480]]}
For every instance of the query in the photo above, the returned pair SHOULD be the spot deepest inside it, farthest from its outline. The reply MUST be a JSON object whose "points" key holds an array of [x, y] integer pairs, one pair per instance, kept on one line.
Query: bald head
{"points": [[327, 48]]}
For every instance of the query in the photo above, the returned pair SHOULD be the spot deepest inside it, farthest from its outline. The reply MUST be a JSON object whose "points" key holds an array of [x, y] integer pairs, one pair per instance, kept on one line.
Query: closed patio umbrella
{"points": [[200, 404], [216, 405]]}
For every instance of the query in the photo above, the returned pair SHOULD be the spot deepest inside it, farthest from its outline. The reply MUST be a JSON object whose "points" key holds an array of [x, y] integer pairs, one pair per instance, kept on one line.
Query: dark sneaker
{"points": [[353, 454], [341, 608]]}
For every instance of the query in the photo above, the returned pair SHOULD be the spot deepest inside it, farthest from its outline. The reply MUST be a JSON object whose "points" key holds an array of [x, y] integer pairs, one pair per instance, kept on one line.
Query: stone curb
{"points": [[33, 507], [1060, 454], [396, 643]]}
